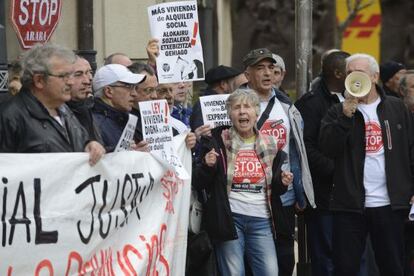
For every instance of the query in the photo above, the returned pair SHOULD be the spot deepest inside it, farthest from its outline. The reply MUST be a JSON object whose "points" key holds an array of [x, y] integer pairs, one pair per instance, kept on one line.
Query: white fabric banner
{"points": [[127, 215], [176, 26]]}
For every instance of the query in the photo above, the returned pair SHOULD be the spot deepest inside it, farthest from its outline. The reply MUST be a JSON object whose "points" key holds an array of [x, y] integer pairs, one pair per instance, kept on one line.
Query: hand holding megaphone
{"points": [[349, 106]]}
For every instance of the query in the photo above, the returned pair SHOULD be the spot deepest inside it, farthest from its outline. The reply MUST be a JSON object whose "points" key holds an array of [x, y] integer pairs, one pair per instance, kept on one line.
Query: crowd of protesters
{"points": [[313, 157]]}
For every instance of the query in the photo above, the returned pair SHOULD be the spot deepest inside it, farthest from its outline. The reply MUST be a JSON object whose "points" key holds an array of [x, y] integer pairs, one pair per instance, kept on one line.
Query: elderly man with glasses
{"points": [[115, 89], [37, 119], [146, 91]]}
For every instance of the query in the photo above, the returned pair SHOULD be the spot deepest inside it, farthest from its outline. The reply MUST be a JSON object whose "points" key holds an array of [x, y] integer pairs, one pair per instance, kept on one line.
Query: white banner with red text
{"points": [[127, 215]]}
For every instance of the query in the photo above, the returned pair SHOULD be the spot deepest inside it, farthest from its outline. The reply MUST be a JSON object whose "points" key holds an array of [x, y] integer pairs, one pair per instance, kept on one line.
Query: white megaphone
{"points": [[358, 84]]}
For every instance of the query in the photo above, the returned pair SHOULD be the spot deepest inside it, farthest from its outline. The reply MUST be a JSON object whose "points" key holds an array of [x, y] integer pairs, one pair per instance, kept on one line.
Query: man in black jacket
{"points": [[313, 106], [37, 119], [82, 101], [371, 140]]}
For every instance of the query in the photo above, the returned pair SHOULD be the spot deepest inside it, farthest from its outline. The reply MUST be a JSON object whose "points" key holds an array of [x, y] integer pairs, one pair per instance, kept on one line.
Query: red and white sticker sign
{"points": [[35, 20], [276, 129], [248, 171], [373, 137]]}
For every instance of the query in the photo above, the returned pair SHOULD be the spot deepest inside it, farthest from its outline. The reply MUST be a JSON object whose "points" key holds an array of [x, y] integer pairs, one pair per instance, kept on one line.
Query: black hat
{"points": [[389, 69], [256, 55], [220, 73]]}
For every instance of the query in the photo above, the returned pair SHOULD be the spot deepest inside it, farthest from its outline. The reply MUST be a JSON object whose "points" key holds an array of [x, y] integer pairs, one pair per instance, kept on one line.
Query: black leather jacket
{"points": [[313, 106], [27, 127], [83, 112]]}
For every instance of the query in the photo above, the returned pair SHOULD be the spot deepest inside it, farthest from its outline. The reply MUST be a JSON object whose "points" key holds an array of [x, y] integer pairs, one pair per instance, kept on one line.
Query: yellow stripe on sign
{"points": [[363, 34]]}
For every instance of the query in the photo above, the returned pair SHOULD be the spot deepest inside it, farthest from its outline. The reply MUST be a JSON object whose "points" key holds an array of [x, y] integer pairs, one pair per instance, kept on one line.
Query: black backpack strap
{"points": [[265, 114]]}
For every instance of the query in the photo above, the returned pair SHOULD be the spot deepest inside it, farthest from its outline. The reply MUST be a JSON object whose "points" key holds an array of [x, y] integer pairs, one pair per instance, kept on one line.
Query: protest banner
{"points": [[157, 131], [127, 215], [213, 110], [127, 136], [176, 26]]}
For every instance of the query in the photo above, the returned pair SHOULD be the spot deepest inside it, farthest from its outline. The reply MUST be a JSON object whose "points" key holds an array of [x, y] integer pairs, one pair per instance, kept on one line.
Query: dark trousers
{"points": [[409, 248], [285, 242], [386, 230], [319, 230]]}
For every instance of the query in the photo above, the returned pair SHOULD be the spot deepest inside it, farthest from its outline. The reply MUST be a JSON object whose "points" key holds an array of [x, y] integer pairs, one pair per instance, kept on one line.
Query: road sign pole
{"points": [[3, 53], [303, 43]]}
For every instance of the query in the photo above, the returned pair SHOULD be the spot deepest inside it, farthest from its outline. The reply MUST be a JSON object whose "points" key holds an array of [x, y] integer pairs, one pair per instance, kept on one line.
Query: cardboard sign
{"points": [[176, 26], [213, 110]]}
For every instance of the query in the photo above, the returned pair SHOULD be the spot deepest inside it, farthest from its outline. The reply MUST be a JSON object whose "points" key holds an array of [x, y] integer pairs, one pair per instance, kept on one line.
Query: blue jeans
{"points": [[255, 240]]}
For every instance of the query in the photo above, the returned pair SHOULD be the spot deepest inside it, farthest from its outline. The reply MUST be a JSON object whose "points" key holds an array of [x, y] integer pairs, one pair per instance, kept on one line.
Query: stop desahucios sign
{"points": [[35, 20]]}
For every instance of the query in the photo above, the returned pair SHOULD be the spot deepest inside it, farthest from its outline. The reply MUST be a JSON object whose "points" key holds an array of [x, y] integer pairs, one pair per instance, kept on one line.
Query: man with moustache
{"points": [[37, 119], [115, 88], [82, 101], [370, 140], [281, 119]]}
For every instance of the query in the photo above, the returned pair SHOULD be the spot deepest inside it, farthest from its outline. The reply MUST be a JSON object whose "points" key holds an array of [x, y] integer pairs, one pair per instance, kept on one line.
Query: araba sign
{"points": [[35, 20]]}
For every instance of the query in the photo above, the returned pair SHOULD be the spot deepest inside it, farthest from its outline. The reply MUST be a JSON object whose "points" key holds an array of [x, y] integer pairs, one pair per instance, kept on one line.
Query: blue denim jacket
{"points": [[297, 194], [298, 158]]}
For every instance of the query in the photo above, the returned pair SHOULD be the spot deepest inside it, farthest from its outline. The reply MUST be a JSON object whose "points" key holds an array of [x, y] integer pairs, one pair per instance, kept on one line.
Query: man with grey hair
{"points": [[282, 120], [370, 140], [407, 89], [279, 72], [82, 101], [37, 119]]}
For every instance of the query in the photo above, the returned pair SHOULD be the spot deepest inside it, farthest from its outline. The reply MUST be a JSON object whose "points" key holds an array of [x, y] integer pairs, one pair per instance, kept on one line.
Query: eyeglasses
{"points": [[64, 76], [148, 90], [129, 86]]}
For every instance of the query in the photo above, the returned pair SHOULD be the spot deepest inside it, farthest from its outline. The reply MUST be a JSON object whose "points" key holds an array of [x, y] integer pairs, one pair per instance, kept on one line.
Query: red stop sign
{"points": [[35, 20], [373, 137]]}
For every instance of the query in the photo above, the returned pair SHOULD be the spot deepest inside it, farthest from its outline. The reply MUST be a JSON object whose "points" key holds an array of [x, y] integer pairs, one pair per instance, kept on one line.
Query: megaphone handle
{"points": [[349, 106]]}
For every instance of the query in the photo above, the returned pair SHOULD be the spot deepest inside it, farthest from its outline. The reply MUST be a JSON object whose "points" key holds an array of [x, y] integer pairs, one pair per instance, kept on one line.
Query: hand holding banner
{"points": [[157, 131]]}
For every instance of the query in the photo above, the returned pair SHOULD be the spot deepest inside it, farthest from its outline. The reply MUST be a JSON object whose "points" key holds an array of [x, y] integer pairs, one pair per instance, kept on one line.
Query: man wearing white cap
{"points": [[115, 89]]}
